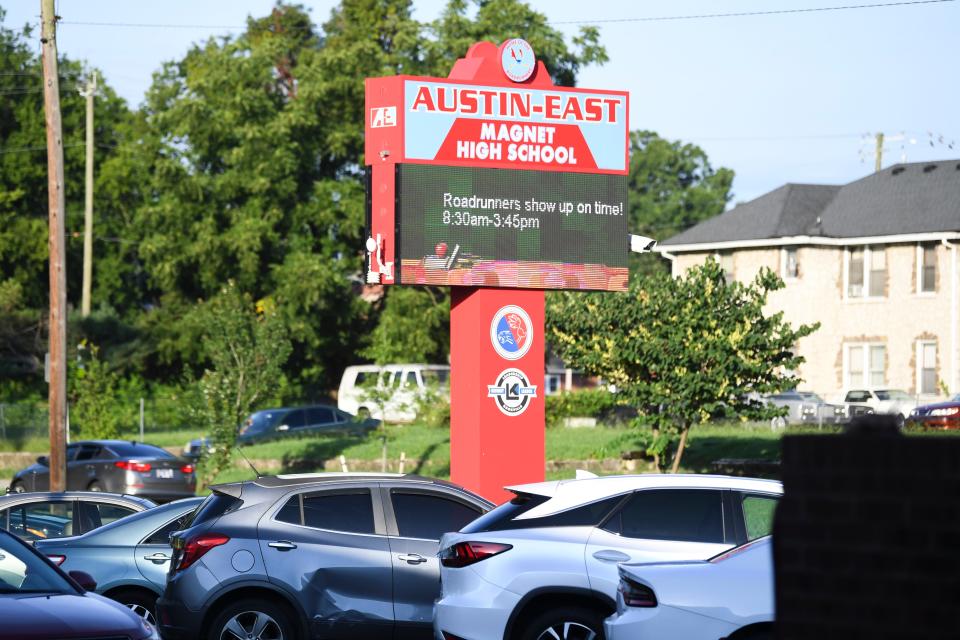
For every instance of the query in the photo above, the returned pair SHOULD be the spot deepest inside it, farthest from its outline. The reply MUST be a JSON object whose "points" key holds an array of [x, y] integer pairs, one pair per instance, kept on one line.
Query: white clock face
{"points": [[517, 59]]}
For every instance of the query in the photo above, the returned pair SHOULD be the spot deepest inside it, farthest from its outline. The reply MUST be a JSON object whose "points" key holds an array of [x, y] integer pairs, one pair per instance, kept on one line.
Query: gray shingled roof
{"points": [[917, 197]]}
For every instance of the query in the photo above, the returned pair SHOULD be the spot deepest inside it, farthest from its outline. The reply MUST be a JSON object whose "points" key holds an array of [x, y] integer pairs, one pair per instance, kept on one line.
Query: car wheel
{"points": [[778, 423], [94, 486], [252, 620], [567, 623], [141, 604]]}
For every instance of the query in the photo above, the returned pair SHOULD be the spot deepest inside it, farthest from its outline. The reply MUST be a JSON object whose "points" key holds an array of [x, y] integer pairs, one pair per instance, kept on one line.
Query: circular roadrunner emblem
{"points": [[511, 332], [517, 59], [512, 392]]}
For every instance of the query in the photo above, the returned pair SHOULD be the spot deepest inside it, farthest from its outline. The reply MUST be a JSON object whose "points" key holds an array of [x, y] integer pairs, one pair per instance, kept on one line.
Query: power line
{"points": [[36, 148], [145, 25], [738, 14], [13, 92], [743, 14], [825, 136]]}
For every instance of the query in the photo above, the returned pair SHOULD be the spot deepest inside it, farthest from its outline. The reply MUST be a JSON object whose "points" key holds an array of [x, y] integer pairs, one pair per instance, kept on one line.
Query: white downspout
{"points": [[673, 262], [954, 313]]}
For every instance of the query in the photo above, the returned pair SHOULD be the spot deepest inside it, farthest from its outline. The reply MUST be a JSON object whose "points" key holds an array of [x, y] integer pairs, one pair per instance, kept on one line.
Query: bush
{"points": [[433, 409], [586, 403]]}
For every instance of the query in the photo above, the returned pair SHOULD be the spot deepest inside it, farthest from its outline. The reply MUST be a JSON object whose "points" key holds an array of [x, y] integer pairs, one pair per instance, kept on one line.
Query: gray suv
{"points": [[313, 556]]}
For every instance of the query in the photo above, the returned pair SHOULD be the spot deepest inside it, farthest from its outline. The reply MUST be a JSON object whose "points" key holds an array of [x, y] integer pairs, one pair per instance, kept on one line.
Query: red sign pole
{"points": [[496, 421]]}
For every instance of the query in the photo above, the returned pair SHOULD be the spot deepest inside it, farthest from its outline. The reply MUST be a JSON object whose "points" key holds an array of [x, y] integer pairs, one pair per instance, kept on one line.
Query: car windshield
{"points": [[435, 377], [138, 450], [811, 397], [893, 394], [23, 572], [956, 398]]}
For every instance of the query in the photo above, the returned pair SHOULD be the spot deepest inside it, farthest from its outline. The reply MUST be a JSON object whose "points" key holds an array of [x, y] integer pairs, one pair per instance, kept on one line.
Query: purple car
{"points": [[39, 601]]}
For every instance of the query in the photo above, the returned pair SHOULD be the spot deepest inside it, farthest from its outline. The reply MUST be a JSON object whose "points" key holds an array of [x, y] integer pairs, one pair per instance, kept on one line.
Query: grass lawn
{"points": [[427, 449]]}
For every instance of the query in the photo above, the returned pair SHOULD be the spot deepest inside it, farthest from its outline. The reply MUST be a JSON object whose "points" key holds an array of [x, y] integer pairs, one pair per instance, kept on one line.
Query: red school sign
{"points": [[500, 184]]}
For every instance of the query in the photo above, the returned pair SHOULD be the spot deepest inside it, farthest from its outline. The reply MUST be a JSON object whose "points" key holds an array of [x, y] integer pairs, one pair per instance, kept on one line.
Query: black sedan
{"points": [[37, 600], [118, 466]]}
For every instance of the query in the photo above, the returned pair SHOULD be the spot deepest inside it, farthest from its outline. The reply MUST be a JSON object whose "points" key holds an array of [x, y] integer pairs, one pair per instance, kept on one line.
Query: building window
{"points": [[790, 267], [855, 274], [726, 263], [866, 366], [927, 268], [867, 272], [927, 367]]}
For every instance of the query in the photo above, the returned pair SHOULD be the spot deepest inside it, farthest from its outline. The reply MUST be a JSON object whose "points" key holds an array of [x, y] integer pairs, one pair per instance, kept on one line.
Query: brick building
{"points": [[874, 261]]}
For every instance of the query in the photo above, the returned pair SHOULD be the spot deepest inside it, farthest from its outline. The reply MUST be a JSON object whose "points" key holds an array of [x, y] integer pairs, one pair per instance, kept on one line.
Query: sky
{"points": [[783, 98]]}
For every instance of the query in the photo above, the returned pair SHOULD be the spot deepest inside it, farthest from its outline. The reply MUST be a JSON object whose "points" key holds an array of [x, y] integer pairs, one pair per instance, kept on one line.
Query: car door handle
{"points": [[412, 558], [157, 558], [611, 555], [282, 545]]}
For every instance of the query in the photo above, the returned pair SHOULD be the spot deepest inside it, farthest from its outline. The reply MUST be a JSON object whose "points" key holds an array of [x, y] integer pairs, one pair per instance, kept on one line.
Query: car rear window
{"points": [[138, 450], [214, 506], [692, 515], [504, 517]]}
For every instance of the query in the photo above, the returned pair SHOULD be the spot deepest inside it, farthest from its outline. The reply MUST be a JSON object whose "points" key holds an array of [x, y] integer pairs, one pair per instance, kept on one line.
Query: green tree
{"points": [[672, 187], [93, 396], [247, 346], [414, 326], [682, 349], [23, 201], [464, 23], [23, 163], [246, 163]]}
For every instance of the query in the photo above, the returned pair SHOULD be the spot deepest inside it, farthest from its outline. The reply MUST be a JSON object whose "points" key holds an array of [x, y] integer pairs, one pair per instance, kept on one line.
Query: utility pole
{"points": [[57, 245], [879, 150], [88, 202]]}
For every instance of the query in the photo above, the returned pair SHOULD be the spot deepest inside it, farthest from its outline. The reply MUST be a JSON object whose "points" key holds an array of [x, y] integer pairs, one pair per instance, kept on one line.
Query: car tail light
{"points": [[127, 465], [635, 594], [186, 469], [195, 548], [464, 554], [57, 560]]}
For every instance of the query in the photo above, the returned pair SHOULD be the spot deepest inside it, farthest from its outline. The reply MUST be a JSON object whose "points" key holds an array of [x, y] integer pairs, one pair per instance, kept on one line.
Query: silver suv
{"points": [[313, 555]]}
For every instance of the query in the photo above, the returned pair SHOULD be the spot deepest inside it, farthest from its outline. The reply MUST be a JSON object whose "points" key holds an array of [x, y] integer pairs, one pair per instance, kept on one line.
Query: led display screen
{"points": [[511, 228]]}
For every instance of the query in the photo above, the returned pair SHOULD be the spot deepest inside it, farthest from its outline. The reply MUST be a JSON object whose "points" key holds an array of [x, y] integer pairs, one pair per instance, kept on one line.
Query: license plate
{"points": [[164, 473]]}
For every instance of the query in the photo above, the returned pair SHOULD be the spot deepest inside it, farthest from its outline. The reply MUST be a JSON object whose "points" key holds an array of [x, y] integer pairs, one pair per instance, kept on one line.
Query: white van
{"points": [[399, 387]]}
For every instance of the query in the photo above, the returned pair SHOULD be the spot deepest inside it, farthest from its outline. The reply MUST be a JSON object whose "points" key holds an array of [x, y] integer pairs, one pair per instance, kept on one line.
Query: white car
{"points": [[728, 596], [894, 402], [369, 391], [544, 564]]}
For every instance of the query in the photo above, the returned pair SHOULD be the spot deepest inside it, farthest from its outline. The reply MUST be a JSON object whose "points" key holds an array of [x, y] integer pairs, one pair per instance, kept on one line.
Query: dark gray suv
{"points": [[313, 556]]}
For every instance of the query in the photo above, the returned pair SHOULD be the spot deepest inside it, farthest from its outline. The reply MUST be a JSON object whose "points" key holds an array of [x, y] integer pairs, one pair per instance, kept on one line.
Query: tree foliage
{"points": [[23, 193], [672, 187], [94, 411], [244, 164], [246, 345], [682, 349], [414, 326]]}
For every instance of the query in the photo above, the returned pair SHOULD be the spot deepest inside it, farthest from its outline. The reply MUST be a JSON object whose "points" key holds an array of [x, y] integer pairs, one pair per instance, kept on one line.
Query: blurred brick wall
{"points": [[867, 538]]}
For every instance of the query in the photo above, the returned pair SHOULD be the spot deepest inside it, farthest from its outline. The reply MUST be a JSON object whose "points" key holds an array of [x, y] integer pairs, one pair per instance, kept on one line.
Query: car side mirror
{"points": [[43, 460], [283, 427], [84, 579]]}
